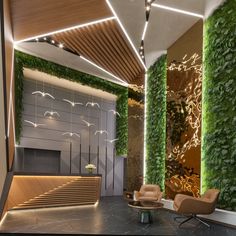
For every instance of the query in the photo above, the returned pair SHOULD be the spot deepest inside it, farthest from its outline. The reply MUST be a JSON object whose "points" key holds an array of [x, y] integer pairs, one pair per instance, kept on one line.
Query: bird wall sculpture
{"points": [[73, 104]]}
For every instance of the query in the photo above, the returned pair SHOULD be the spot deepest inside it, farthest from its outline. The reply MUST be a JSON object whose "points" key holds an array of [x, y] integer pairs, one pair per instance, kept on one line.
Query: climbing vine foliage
{"points": [[156, 123], [219, 105], [24, 60]]}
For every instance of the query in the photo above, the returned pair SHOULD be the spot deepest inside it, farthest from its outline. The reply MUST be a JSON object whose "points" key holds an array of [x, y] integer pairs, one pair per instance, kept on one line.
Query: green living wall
{"points": [[24, 60], [219, 105], [156, 123]]}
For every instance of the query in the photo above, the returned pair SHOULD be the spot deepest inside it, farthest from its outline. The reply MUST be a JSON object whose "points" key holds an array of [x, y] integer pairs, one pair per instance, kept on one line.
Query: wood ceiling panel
{"points": [[36, 17], [104, 44]]}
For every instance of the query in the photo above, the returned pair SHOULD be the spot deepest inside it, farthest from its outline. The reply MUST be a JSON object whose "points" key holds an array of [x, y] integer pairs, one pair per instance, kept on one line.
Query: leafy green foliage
{"points": [[156, 123], [219, 105], [28, 61]]}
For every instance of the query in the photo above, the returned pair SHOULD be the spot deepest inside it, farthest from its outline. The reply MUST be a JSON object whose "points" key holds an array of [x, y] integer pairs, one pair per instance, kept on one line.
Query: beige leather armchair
{"points": [[148, 192], [190, 205]]}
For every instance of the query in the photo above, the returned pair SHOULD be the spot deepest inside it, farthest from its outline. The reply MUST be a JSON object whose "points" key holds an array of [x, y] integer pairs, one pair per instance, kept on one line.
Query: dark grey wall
{"points": [[49, 136]]}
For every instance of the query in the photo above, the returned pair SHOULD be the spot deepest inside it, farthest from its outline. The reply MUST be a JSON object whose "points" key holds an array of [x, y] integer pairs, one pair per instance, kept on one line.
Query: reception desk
{"points": [[29, 191]]}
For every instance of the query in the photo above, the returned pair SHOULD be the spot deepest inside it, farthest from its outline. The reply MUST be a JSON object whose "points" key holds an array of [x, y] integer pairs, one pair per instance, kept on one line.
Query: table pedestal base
{"points": [[145, 217]]}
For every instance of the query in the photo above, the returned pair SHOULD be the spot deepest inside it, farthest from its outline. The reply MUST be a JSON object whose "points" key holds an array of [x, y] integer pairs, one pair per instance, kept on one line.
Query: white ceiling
{"points": [[59, 56], [164, 28]]}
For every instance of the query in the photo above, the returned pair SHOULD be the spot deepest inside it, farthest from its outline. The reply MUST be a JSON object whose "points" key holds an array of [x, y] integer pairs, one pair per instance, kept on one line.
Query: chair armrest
{"points": [[159, 196], [136, 195]]}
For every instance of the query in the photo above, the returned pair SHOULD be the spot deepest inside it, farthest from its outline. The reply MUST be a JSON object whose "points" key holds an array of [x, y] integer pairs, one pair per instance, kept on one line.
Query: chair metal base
{"points": [[193, 216]]}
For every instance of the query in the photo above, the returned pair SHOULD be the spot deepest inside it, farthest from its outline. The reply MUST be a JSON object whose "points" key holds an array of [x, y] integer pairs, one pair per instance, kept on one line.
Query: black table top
{"points": [[146, 205]]}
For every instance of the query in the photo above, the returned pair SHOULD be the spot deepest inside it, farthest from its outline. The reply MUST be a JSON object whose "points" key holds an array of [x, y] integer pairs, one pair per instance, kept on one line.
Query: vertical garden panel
{"points": [[219, 105], [156, 123]]}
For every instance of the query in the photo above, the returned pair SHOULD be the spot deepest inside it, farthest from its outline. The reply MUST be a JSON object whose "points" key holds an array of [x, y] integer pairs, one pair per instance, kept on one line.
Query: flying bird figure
{"points": [[87, 123], [43, 94], [114, 112], [34, 124], [71, 134], [100, 132], [72, 103], [51, 113], [92, 104], [111, 140]]}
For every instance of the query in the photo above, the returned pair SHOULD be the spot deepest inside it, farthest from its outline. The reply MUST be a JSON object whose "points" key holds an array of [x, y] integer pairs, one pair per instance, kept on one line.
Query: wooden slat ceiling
{"points": [[105, 45], [36, 17]]}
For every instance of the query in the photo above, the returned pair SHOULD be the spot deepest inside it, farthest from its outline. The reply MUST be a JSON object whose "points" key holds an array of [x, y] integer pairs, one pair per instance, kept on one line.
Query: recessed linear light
{"points": [[90, 62], [66, 29], [126, 34], [177, 10], [144, 30], [145, 127]]}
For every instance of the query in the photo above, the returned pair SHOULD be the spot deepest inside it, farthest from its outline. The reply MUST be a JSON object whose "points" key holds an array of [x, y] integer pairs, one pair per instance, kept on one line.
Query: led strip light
{"points": [[177, 10], [46, 38], [92, 63], [65, 29], [145, 127], [126, 34]]}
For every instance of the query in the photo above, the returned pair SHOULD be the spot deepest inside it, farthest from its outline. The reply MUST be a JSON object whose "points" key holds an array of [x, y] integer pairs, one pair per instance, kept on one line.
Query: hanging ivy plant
{"points": [[24, 60], [219, 105], [156, 123]]}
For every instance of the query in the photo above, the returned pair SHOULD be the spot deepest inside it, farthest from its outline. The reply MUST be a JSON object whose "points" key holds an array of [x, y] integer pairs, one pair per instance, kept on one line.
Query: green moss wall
{"points": [[156, 123], [28, 61], [219, 105]]}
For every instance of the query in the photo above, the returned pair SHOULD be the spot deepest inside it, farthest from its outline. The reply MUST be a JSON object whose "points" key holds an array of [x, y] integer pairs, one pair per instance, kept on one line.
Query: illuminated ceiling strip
{"points": [[145, 30], [90, 62], [145, 127], [66, 29], [177, 10], [126, 34], [10, 96]]}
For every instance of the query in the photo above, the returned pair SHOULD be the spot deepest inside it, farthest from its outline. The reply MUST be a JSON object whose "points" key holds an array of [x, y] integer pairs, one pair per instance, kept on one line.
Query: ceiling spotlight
{"points": [[141, 47], [148, 8], [37, 39], [149, 0], [141, 52], [61, 45], [142, 56], [45, 38], [52, 41]]}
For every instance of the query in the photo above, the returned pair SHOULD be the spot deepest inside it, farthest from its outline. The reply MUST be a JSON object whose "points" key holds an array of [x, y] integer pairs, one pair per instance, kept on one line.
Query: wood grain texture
{"points": [[48, 191], [9, 53], [104, 44], [30, 17]]}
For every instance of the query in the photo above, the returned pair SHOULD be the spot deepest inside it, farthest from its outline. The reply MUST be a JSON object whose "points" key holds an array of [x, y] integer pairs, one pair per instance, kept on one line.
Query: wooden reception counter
{"points": [[47, 190]]}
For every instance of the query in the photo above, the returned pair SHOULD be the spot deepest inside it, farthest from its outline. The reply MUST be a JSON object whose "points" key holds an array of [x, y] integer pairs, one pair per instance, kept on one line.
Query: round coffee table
{"points": [[145, 208]]}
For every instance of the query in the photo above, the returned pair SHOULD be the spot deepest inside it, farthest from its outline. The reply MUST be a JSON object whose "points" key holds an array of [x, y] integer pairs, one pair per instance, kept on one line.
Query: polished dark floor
{"points": [[112, 216]]}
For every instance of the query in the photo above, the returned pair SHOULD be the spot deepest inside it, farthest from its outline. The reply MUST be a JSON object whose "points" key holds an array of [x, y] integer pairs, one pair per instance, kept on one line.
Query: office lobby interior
{"points": [[117, 117]]}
